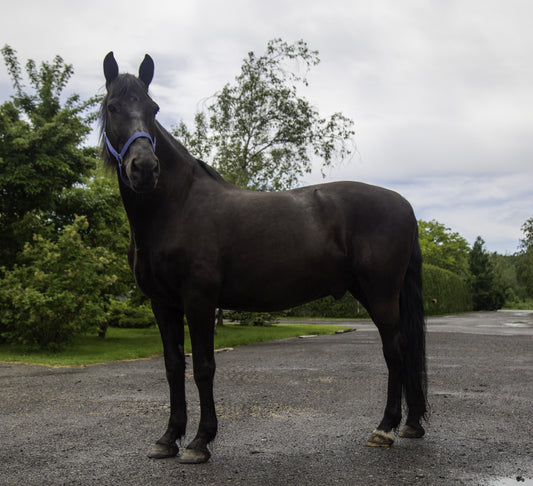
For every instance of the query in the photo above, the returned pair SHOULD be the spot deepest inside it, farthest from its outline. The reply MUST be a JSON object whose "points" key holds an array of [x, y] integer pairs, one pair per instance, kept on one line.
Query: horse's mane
{"points": [[121, 85], [210, 170], [186, 155]]}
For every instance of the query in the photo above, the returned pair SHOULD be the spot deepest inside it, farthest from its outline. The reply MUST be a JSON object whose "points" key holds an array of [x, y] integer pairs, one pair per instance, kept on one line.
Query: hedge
{"points": [[444, 291]]}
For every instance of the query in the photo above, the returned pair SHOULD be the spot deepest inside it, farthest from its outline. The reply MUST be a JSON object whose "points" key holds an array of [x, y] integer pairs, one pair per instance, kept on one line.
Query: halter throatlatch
{"points": [[120, 156]]}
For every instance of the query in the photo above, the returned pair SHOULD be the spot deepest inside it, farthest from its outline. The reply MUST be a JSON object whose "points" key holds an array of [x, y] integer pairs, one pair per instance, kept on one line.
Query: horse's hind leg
{"points": [[387, 319], [416, 405], [170, 322]]}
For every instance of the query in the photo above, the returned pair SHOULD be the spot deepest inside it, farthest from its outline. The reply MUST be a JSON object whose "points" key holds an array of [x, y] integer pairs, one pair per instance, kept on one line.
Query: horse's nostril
{"points": [[144, 166]]}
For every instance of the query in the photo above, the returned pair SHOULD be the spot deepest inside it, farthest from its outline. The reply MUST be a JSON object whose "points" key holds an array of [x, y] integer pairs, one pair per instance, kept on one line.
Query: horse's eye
{"points": [[112, 108]]}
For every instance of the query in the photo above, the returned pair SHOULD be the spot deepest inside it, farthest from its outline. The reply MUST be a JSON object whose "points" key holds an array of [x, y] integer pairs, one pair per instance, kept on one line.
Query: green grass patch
{"points": [[124, 344]]}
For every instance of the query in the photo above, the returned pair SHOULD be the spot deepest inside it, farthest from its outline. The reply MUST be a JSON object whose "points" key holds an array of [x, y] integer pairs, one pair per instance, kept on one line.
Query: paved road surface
{"points": [[294, 412]]}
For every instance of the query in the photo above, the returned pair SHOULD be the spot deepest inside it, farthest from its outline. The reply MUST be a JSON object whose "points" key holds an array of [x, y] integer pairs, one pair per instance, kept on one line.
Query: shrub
{"points": [[56, 291], [346, 307], [125, 314], [252, 318]]}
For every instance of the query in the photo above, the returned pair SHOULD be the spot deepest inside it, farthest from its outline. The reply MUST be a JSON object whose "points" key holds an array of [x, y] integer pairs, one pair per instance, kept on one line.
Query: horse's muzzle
{"points": [[143, 173]]}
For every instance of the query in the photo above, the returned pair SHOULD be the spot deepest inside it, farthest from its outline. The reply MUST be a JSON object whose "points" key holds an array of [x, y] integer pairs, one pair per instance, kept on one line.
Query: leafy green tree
{"points": [[527, 228], [443, 247], [524, 266], [40, 149], [57, 290], [258, 132], [487, 293], [505, 271], [98, 199]]}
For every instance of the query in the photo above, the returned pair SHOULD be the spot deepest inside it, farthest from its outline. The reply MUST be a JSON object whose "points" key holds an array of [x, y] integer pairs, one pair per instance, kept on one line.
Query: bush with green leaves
{"points": [[56, 290], [127, 315], [345, 307], [252, 318]]}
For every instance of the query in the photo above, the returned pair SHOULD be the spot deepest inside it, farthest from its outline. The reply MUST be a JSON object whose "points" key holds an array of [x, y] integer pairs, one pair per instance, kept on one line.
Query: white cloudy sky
{"points": [[441, 91]]}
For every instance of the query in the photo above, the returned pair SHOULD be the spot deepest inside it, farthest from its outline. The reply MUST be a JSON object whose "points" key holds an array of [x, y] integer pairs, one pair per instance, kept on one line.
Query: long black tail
{"points": [[413, 331]]}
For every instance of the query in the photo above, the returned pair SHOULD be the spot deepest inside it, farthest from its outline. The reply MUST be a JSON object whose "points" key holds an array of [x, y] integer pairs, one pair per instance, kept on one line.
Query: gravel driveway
{"points": [[293, 412]]}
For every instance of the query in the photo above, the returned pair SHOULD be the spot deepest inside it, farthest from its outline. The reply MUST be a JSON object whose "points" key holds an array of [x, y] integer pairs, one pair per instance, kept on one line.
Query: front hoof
{"points": [[161, 451], [410, 432], [194, 456], [380, 439]]}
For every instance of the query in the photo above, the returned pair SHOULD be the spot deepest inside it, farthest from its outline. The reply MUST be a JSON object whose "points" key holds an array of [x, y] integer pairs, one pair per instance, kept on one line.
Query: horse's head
{"points": [[128, 124]]}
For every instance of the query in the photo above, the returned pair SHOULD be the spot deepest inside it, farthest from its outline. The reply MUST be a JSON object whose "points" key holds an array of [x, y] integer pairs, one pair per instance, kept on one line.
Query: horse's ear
{"points": [[110, 69], [146, 70]]}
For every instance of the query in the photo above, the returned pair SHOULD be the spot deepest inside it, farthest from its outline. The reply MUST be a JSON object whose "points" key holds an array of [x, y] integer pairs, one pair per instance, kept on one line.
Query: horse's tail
{"points": [[413, 331]]}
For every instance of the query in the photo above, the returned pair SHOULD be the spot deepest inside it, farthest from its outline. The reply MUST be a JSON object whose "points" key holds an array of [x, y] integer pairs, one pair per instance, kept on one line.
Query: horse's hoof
{"points": [[378, 438], [194, 456], [410, 432], [160, 451]]}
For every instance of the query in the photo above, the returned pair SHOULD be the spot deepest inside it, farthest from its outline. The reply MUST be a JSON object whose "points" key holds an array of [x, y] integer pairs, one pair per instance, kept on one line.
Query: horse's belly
{"points": [[274, 286]]}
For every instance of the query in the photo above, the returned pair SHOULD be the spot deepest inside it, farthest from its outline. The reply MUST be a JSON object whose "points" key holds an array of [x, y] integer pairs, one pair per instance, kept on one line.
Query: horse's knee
{"points": [[205, 372]]}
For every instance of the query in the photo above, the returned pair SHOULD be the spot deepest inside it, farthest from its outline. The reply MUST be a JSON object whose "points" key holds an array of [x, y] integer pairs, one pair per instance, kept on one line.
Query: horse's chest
{"points": [[157, 274]]}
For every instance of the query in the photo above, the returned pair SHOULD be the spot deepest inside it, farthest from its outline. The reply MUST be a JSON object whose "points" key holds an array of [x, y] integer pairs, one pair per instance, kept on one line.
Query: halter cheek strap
{"points": [[120, 156], [135, 136]]}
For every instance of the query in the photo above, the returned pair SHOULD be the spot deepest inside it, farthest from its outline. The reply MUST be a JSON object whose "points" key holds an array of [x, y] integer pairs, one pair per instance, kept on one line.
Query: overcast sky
{"points": [[441, 91]]}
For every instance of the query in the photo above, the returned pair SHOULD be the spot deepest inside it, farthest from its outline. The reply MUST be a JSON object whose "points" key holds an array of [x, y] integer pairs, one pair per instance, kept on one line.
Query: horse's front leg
{"points": [[201, 322], [170, 322]]}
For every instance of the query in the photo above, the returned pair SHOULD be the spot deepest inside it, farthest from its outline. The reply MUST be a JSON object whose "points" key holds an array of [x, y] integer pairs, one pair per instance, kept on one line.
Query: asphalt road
{"points": [[293, 412]]}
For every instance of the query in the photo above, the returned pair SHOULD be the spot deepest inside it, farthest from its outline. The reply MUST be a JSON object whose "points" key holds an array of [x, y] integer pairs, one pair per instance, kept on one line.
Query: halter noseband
{"points": [[120, 156]]}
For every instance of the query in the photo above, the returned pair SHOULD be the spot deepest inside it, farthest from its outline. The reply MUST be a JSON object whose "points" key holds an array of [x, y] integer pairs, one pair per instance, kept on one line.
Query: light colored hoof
{"points": [[378, 438], [194, 456], [161, 451], [409, 432]]}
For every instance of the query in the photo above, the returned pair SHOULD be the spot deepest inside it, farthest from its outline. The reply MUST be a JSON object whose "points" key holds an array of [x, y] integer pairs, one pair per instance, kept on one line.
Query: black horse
{"points": [[198, 243]]}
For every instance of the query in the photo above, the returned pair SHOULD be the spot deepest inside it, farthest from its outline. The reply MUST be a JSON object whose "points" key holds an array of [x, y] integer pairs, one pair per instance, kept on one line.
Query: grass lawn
{"points": [[124, 344]]}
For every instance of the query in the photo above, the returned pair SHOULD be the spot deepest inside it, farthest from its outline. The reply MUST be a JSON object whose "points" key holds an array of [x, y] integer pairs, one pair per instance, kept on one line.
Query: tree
{"points": [[524, 265], [527, 228], [98, 199], [40, 149], [487, 294], [443, 248], [505, 271], [258, 132]]}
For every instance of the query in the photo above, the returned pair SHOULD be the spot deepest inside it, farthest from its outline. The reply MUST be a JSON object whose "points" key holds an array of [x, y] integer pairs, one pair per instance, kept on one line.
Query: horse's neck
{"points": [[177, 165]]}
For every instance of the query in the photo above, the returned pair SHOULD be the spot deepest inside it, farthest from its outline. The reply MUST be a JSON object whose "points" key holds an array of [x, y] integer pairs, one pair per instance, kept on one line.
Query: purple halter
{"points": [[120, 156]]}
